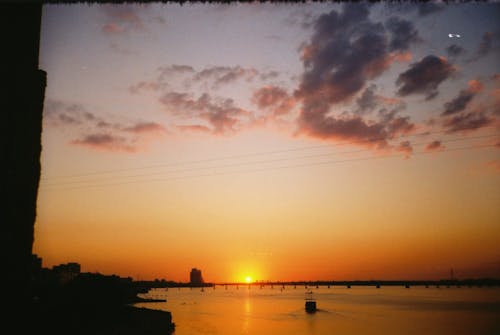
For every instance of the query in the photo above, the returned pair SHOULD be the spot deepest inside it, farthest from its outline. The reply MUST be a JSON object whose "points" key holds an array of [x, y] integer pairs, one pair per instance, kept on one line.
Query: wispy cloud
{"points": [[100, 132], [104, 142], [464, 97], [489, 42], [434, 146], [222, 115]]}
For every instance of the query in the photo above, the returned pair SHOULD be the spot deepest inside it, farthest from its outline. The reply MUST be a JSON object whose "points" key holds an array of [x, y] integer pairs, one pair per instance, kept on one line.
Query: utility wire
{"points": [[273, 168], [236, 156], [72, 182]]}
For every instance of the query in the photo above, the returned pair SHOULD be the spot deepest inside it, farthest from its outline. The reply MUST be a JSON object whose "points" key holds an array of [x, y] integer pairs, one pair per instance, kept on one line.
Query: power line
{"points": [[272, 168], [239, 164], [238, 156]]}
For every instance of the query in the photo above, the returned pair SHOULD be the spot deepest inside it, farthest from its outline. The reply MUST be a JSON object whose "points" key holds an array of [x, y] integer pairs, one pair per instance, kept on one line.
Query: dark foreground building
{"points": [[58, 308]]}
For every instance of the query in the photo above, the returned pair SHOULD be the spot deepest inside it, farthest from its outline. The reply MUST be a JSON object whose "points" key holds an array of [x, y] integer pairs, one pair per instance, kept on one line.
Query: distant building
{"points": [[66, 272], [195, 277]]}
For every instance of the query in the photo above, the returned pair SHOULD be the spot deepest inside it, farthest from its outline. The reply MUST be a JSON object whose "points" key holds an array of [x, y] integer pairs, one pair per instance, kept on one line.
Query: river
{"points": [[358, 310]]}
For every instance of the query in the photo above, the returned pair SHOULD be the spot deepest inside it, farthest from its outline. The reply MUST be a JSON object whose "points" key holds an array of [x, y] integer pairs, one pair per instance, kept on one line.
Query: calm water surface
{"points": [[359, 310]]}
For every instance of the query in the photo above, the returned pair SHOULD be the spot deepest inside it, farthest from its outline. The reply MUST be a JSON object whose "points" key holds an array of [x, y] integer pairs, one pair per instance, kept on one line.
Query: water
{"points": [[359, 310]]}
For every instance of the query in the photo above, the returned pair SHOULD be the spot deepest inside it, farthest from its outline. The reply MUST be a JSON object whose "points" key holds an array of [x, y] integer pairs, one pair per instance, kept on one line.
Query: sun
{"points": [[248, 279]]}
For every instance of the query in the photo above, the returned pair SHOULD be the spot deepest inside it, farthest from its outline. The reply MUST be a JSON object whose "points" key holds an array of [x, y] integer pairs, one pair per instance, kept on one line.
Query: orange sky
{"points": [[162, 153]]}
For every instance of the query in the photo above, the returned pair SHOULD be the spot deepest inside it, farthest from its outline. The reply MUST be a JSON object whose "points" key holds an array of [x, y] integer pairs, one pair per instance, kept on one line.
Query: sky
{"points": [[317, 141]]}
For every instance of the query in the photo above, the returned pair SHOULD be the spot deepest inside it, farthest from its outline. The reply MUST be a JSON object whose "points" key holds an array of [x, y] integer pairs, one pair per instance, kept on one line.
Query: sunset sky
{"points": [[319, 141]]}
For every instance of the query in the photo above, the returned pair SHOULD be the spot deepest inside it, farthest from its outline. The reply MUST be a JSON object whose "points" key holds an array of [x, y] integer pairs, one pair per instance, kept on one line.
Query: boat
{"points": [[310, 302]]}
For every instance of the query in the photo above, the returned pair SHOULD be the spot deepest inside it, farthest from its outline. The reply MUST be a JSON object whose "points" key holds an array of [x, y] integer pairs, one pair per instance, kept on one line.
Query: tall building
{"points": [[195, 277]]}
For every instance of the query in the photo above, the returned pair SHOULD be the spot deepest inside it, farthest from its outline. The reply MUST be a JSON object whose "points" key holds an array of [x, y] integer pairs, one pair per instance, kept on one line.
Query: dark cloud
{"points": [[105, 142], [455, 50], [352, 128], [403, 34], [221, 114], [424, 77], [367, 101], [345, 51], [273, 98], [371, 133], [434, 146], [460, 102], [467, 122]]}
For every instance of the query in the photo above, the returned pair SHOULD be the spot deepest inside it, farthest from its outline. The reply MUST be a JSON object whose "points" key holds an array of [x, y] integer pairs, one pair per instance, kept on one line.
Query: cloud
{"points": [[460, 102], [269, 75], [406, 148], [104, 142], [121, 19], [423, 9], [345, 51], [112, 28], [113, 135], [146, 86], [222, 114], [430, 7], [467, 122], [146, 127], [403, 34], [59, 113], [274, 99], [424, 77], [194, 127], [175, 69], [455, 50], [352, 127], [222, 75], [434, 146], [485, 46], [214, 76], [368, 100]]}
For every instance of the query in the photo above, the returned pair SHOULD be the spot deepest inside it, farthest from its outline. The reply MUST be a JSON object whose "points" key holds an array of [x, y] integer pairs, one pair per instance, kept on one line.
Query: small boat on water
{"points": [[310, 303]]}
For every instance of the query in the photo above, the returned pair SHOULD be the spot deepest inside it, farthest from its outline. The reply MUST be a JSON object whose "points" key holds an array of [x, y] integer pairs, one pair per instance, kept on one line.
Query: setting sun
{"points": [[248, 279]]}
